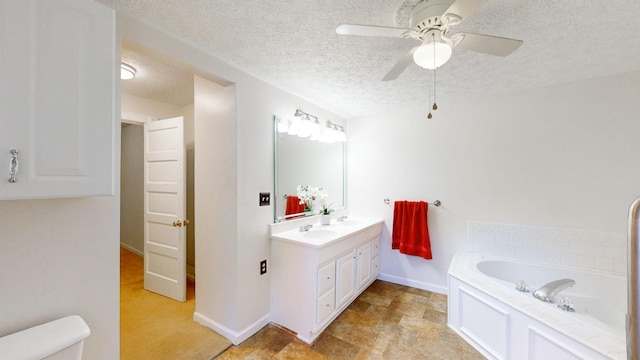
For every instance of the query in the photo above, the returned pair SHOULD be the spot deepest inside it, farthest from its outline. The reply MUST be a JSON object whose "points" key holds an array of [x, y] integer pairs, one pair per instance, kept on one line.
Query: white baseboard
{"points": [[234, 336], [132, 249], [413, 283]]}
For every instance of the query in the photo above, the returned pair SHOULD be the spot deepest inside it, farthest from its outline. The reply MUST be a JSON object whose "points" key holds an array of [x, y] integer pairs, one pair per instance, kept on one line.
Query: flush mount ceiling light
{"points": [[127, 71]]}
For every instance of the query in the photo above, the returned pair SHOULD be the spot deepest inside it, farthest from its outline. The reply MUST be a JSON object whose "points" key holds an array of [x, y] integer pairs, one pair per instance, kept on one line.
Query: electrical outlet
{"points": [[265, 198], [263, 267]]}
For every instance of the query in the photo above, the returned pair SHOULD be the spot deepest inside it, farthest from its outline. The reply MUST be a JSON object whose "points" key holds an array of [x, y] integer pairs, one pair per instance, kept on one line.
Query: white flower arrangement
{"points": [[309, 195]]}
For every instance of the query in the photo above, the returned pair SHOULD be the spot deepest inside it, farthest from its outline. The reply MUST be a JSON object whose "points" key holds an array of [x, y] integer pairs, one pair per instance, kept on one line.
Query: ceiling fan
{"points": [[430, 21]]}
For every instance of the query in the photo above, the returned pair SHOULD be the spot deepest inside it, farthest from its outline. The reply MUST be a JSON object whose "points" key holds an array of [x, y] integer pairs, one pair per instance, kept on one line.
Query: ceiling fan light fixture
{"points": [[427, 58]]}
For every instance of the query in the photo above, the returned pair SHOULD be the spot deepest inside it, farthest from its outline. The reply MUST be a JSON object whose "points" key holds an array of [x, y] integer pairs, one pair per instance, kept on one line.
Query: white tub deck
{"points": [[503, 323]]}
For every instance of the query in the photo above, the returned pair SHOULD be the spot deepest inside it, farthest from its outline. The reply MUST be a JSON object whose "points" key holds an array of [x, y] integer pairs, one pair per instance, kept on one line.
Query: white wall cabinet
{"points": [[311, 286], [57, 98]]}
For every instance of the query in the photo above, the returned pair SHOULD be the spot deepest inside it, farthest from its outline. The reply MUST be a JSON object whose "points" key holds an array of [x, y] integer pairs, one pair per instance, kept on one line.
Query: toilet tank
{"points": [[60, 339]]}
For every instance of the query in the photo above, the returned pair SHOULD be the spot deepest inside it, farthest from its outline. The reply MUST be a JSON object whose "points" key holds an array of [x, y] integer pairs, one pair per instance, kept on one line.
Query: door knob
{"points": [[177, 223]]}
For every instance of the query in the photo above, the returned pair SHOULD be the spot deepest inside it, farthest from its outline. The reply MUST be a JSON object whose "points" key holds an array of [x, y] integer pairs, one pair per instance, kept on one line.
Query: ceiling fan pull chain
{"points": [[429, 116], [435, 106]]}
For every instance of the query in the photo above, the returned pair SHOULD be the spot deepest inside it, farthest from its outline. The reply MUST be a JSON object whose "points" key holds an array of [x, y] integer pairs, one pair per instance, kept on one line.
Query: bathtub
{"points": [[503, 323]]}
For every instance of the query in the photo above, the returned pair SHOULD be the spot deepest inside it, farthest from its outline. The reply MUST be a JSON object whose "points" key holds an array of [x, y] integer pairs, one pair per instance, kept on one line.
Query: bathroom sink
{"points": [[320, 234]]}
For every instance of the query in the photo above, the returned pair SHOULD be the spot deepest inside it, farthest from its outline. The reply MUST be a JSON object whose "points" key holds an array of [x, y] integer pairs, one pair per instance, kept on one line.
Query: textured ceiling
{"points": [[293, 45], [157, 80]]}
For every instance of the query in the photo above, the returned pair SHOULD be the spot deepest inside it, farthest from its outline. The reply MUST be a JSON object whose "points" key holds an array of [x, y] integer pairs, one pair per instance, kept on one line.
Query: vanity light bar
{"points": [[306, 125]]}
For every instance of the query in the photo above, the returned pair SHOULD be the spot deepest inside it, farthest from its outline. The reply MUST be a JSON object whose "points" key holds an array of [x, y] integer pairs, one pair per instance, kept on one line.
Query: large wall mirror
{"points": [[300, 161]]}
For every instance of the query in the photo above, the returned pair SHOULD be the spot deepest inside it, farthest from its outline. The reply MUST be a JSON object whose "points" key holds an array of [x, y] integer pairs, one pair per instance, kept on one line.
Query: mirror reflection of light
{"points": [[305, 128], [294, 127], [282, 125]]}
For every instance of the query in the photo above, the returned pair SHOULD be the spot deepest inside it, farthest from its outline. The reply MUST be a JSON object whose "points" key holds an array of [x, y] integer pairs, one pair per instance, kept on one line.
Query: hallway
{"points": [[155, 327]]}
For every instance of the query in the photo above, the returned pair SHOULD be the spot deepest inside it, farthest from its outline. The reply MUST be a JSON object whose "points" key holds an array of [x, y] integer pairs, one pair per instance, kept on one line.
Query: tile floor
{"points": [[388, 321]]}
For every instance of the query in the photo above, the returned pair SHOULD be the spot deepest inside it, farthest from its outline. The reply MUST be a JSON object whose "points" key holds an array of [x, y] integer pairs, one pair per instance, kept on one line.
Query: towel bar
{"points": [[435, 203]]}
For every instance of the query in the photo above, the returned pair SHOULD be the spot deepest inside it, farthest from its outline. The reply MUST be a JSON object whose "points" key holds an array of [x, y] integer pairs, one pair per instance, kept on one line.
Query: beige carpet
{"points": [[155, 327]]}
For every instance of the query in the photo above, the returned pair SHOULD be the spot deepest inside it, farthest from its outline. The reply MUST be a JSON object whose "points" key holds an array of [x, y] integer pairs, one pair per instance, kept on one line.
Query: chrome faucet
{"points": [[305, 227], [549, 291], [341, 218]]}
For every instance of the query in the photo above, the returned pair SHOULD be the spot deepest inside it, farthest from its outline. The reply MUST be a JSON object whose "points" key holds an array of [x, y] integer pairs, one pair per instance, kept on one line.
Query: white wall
{"points": [[60, 257], [142, 106], [132, 189], [563, 156]]}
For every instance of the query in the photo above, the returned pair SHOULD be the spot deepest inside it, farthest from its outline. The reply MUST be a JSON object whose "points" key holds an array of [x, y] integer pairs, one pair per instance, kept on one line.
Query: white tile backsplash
{"points": [[591, 250]]}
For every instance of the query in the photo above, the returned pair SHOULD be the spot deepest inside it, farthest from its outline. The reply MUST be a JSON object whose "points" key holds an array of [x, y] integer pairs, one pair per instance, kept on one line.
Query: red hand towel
{"points": [[410, 229], [293, 205]]}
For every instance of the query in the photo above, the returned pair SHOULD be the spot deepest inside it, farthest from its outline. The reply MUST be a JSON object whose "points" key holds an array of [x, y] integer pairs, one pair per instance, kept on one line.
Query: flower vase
{"points": [[325, 219]]}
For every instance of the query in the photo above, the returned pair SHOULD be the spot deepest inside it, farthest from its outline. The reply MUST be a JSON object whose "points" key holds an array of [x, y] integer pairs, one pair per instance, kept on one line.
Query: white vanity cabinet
{"points": [[57, 98], [314, 278]]}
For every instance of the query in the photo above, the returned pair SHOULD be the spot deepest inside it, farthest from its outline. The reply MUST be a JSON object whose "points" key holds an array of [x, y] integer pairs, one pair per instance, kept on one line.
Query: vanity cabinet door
{"points": [[364, 265], [375, 247], [57, 96], [345, 278], [375, 266], [375, 258]]}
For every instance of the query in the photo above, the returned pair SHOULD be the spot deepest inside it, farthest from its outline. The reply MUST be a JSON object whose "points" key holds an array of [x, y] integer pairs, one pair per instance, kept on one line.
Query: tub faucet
{"points": [[305, 227], [549, 291]]}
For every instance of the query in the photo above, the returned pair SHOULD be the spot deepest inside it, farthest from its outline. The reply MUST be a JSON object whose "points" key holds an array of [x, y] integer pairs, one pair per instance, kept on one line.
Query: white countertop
{"points": [[323, 235]]}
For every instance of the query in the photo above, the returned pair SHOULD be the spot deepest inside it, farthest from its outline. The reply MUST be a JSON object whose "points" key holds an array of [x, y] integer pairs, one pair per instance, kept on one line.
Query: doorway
{"points": [[151, 323]]}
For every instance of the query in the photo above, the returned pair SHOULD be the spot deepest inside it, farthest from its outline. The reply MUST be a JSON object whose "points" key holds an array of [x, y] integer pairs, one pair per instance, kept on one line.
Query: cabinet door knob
{"points": [[328, 277], [13, 166]]}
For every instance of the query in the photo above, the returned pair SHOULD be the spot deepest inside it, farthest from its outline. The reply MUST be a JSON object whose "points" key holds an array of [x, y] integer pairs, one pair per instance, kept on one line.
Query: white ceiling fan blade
{"points": [[399, 67], [370, 30], [464, 8], [487, 44]]}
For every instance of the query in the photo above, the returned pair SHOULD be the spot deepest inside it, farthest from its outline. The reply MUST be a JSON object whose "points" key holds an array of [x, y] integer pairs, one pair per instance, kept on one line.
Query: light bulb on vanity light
{"points": [[294, 126], [316, 131], [282, 125], [340, 136], [328, 134], [305, 127]]}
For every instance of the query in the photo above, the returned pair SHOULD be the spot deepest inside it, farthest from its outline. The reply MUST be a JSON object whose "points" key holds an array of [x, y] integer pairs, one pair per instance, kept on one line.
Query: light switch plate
{"points": [[265, 199]]}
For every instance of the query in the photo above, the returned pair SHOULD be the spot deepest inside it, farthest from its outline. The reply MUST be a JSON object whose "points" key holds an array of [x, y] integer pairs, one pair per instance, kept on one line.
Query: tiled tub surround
{"points": [[583, 249], [503, 323]]}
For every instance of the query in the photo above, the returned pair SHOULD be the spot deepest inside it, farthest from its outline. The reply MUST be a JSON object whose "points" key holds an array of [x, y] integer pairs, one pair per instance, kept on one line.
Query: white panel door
{"points": [[165, 208], [57, 76], [364, 265]]}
